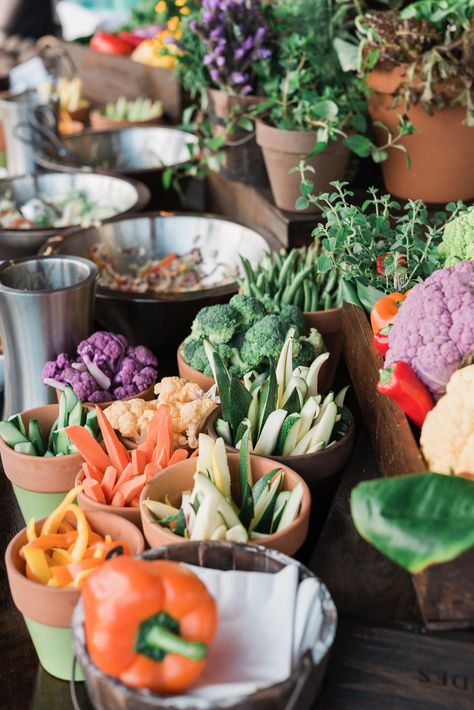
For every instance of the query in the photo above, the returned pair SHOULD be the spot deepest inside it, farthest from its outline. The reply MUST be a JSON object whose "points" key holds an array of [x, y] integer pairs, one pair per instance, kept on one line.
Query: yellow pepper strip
{"points": [[38, 564], [61, 577], [31, 530], [60, 556], [108, 539], [54, 520], [81, 577], [80, 546]]}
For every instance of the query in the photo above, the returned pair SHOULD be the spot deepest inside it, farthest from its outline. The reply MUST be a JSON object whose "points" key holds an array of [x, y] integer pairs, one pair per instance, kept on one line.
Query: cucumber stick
{"points": [[76, 415], [205, 448], [223, 429], [17, 421], [207, 520], [220, 468], [25, 447], [245, 475], [292, 507], [160, 510], [264, 524], [206, 487], [313, 374], [262, 484], [36, 437], [11, 434], [268, 438], [281, 501], [288, 435]]}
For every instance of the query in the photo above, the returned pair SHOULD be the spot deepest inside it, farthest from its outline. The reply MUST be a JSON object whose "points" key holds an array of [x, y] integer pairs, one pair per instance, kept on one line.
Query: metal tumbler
{"points": [[46, 307]]}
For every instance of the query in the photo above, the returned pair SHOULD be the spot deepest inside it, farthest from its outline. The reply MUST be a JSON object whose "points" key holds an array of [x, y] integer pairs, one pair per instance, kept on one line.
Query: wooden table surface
{"points": [[381, 658]]}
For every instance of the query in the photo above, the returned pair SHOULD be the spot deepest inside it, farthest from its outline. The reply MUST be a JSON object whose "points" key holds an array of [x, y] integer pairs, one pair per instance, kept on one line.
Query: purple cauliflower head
{"points": [[84, 385], [54, 369], [434, 328], [138, 370]]}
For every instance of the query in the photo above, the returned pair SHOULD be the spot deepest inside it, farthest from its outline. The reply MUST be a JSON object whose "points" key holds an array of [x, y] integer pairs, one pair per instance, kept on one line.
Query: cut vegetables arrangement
{"points": [[32, 443], [281, 410], [66, 550], [117, 477], [210, 512]]}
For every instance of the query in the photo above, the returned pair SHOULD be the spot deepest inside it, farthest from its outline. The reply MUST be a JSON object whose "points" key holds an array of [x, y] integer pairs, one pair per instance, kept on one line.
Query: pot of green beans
{"points": [[293, 277]]}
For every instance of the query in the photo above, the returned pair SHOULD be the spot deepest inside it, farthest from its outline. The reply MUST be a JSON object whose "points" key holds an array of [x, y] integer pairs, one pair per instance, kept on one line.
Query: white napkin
{"points": [[263, 624]]}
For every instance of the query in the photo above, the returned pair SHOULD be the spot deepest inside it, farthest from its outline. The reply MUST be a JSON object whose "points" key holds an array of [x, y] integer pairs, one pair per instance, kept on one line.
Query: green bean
{"points": [[307, 295], [314, 298], [299, 298], [293, 288], [287, 265]]}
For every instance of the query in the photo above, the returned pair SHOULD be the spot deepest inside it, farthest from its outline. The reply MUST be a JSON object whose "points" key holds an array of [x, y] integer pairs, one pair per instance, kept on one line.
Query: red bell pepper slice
{"points": [[400, 382]]}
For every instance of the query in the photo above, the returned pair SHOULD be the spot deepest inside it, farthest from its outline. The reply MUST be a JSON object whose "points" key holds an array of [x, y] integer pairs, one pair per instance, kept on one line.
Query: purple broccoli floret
{"points": [[54, 369], [101, 396], [142, 355], [434, 328], [83, 385], [145, 378], [125, 391], [138, 368]]}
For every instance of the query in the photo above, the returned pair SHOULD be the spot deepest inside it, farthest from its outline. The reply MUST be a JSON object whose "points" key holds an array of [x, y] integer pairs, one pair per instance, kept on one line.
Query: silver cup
{"points": [[46, 307]]}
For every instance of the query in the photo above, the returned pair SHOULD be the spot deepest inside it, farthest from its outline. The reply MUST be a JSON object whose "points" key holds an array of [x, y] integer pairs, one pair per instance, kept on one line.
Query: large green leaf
{"points": [[416, 520]]}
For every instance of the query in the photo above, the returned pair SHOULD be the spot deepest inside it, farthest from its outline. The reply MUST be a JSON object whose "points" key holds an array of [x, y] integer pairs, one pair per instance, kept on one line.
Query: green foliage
{"points": [[416, 520]]}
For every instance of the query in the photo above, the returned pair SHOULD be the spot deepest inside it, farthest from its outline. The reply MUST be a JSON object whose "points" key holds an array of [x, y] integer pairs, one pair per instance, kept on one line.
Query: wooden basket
{"points": [[445, 592], [299, 692]]}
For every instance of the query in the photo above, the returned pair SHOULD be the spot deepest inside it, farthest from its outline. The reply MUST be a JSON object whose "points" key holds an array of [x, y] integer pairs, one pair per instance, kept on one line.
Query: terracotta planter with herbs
{"points": [[283, 150], [39, 482], [243, 159], [441, 150], [47, 610]]}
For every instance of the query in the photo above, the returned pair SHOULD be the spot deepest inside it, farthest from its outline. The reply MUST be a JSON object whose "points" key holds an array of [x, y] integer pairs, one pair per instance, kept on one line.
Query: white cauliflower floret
{"points": [[447, 435], [131, 417], [193, 417], [169, 389]]}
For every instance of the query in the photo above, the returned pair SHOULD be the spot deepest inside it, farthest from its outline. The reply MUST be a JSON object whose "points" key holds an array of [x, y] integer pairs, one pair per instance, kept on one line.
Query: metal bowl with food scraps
{"points": [[143, 153], [159, 270], [35, 207]]}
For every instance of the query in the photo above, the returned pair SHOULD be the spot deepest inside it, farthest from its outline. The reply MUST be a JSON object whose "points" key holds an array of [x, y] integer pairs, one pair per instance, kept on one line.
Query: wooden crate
{"points": [[106, 77], [445, 592]]}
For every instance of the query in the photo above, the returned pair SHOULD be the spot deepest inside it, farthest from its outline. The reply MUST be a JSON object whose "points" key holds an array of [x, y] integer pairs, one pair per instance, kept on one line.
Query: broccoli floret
{"points": [[251, 309], [263, 341], [271, 307], [309, 348], [225, 351], [293, 316], [194, 354], [216, 323]]}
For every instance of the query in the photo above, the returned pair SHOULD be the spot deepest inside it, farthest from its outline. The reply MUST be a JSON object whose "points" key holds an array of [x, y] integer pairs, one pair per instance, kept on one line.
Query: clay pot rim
{"points": [[103, 405], [97, 113], [201, 374], [26, 457], [328, 311], [30, 584], [305, 508], [299, 457]]}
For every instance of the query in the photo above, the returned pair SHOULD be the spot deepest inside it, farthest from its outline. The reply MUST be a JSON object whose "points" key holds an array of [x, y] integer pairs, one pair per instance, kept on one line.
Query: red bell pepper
{"points": [[129, 37], [400, 382], [379, 264], [107, 43], [381, 340]]}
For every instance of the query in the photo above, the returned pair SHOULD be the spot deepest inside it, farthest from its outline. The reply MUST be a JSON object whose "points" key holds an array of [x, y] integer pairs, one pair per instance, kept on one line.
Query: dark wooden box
{"points": [[445, 592], [106, 77]]}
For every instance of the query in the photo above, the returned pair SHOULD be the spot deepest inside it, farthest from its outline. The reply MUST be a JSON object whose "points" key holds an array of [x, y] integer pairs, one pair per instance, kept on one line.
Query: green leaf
{"points": [[246, 124], [378, 156], [347, 53], [323, 264], [368, 295], [215, 143], [301, 203], [326, 110], [306, 187], [318, 148], [167, 178], [416, 520], [360, 145]]}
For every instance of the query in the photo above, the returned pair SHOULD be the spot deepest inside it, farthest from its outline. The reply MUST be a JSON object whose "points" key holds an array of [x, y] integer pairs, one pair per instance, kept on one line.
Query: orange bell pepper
{"points": [[148, 623], [385, 310]]}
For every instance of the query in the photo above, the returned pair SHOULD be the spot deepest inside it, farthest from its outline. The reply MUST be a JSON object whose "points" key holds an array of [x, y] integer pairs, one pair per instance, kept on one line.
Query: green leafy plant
{"points": [[353, 237], [416, 520]]}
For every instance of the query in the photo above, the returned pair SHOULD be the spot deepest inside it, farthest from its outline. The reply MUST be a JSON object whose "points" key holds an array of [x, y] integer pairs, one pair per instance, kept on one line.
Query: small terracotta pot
{"points": [[146, 395], [47, 611], [243, 160], [283, 150], [329, 324], [39, 482], [174, 480], [90, 506], [99, 122], [189, 373], [441, 150], [82, 114], [321, 471]]}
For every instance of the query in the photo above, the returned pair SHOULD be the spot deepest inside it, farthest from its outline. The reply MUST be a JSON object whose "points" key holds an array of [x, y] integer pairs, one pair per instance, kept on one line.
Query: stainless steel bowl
{"points": [[124, 194], [162, 323], [128, 151]]}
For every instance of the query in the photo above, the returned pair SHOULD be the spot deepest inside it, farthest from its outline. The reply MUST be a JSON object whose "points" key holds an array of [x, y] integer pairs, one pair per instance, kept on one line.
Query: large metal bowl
{"points": [[162, 323], [140, 152], [125, 195]]}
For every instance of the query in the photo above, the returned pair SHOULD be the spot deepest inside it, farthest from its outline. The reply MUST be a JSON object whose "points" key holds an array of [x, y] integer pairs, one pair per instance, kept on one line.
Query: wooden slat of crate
{"points": [[106, 77], [445, 592]]}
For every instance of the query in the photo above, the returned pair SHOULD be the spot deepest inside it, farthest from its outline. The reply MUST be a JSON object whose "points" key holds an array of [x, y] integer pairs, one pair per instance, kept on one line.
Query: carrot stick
{"points": [[92, 472], [177, 456], [152, 469], [125, 476], [135, 502], [161, 456], [108, 482], [195, 453], [90, 450], [154, 426], [118, 500], [117, 452], [93, 490], [131, 488], [165, 261], [139, 461]]}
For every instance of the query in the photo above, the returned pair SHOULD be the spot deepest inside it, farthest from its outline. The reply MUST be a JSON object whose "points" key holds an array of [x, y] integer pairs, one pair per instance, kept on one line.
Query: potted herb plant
{"points": [[312, 105], [418, 64], [225, 45]]}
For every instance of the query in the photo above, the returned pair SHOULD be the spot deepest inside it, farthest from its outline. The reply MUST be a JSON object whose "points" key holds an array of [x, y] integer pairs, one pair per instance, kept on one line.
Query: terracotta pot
{"points": [[47, 611], [174, 480], [283, 150], [243, 158], [322, 470], [189, 373], [99, 122], [90, 506], [147, 395], [39, 482], [441, 151], [329, 324], [82, 114]]}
